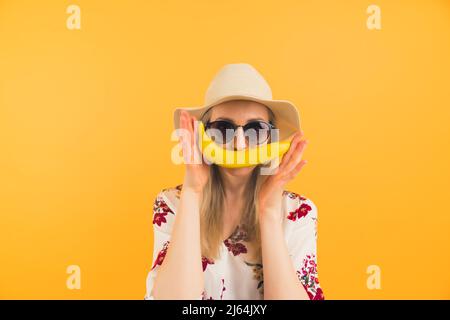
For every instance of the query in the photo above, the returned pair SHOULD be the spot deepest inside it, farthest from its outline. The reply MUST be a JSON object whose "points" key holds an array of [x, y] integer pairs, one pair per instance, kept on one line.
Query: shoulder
{"points": [[300, 220], [298, 207], [164, 207], [171, 194]]}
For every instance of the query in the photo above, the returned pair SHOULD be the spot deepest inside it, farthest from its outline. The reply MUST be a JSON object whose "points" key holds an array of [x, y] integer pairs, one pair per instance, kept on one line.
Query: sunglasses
{"points": [[255, 132]]}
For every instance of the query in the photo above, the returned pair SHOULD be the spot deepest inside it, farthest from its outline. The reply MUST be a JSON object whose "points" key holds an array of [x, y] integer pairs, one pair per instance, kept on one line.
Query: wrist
{"points": [[270, 218], [191, 190], [194, 189]]}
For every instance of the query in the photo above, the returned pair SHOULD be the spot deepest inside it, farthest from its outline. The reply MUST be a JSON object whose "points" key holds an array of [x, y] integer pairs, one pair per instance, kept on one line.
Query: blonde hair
{"points": [[212, 208]]}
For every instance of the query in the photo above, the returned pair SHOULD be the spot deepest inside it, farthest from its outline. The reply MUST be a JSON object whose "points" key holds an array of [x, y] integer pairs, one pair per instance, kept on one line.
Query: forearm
{"points": [[182, 267], [280, 278]]}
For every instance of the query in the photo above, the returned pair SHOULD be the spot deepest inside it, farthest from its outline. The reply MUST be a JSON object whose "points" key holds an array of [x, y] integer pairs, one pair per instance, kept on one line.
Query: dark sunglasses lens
{"points": [[225, 131], [257, 131]]}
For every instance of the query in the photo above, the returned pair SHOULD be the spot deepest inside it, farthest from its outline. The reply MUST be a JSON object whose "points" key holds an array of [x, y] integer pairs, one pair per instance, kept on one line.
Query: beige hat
{"points": [[241, 81]]}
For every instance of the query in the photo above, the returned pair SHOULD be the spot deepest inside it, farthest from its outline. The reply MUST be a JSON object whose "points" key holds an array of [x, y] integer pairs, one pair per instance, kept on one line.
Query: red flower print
{"points": [[300, 212], [293, 195], [292, 215], [159, 218], [161, 255], [223, 289], [205, 297], [233, 243], [308, 278], [205, 262], [160, 211], [235, 247], [319, 294], [239, 234]]}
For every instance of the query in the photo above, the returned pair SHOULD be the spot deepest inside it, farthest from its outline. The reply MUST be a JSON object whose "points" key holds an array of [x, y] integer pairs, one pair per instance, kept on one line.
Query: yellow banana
{"points": [[239, 158]]}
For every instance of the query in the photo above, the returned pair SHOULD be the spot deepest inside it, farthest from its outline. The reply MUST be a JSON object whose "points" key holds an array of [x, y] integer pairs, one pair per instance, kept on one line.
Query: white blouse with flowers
{"points": [[234, 276]]}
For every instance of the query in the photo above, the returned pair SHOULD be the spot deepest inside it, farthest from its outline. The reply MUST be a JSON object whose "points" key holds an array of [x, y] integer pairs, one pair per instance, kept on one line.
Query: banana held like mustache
{"points": [[248, 157]]}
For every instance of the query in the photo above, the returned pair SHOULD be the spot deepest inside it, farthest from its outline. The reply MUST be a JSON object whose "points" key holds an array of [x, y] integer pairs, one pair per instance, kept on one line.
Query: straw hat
{"points": [[241, 81]]}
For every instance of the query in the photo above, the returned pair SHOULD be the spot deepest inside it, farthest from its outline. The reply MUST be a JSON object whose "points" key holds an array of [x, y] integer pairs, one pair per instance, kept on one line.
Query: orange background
{"points": [[86, 118]]}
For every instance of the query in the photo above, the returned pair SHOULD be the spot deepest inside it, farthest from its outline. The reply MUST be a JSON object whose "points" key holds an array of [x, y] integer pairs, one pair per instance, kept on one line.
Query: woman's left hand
{"points": [[271, 192]]}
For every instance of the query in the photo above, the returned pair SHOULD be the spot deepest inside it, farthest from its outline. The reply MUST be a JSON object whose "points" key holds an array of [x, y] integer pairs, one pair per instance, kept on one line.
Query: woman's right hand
{"points": [[197, 174]]}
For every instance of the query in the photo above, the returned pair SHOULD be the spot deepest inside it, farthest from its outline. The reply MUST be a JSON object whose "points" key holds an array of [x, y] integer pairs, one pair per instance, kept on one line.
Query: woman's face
{"points": [[240, 112]]}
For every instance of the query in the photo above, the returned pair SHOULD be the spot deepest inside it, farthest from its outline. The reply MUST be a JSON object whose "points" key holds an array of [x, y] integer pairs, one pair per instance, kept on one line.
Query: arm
{"points": [[280, 278], [182, 267]]}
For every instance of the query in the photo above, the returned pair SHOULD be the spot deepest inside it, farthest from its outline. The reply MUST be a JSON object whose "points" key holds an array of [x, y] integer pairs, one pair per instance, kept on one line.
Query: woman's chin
{"points": [[244, 171]]}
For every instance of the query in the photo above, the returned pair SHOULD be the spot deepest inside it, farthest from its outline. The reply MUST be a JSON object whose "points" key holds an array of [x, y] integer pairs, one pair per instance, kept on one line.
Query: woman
{"points": [[234, 233]]}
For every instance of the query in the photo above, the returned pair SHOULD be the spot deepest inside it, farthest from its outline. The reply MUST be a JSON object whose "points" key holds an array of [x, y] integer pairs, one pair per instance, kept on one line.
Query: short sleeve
{"points": [[302, 245], [162, 223], [163, 220]]}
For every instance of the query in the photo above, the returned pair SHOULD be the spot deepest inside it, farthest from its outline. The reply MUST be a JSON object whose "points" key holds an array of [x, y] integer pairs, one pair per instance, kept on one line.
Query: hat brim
{"points": [[286, 114]]}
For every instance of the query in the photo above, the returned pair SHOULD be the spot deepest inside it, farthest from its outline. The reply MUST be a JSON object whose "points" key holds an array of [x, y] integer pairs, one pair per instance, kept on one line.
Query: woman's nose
{"points": [[239, 142]]}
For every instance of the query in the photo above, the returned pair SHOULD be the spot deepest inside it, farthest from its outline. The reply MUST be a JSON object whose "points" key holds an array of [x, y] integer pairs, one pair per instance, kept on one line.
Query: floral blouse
{"points": [[234, 276]]}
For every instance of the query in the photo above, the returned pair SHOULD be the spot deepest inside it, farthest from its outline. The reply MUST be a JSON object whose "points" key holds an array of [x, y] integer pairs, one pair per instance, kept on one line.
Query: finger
{"points": [[189, 127], [193, 131], [195, 138], [191, 122], [182, 120], [184, 115], [288, 154], [186, 136], [181, 132], [183, 126], [184, 123], [292, 147], [297, 169], [296, 157]]}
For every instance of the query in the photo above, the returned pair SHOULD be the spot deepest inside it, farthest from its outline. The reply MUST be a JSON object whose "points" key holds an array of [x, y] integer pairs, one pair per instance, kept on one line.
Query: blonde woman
{"points": [[235, 233]]}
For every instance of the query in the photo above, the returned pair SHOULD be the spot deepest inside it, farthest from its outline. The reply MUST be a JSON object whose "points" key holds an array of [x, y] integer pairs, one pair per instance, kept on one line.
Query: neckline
{"points": [[172, 207], [242, 238], [236, 230]]}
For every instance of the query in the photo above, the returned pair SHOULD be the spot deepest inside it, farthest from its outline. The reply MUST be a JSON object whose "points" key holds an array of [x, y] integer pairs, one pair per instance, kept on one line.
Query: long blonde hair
{"points": [[212, 208]]}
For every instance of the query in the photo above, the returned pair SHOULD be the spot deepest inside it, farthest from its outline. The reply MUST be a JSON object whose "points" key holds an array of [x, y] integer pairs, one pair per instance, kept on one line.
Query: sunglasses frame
{"points": [[235, 127]]}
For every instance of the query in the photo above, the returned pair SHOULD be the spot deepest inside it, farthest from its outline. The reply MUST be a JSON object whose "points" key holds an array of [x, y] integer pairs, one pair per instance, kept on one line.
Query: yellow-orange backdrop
{"points": [[86, 118]]}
